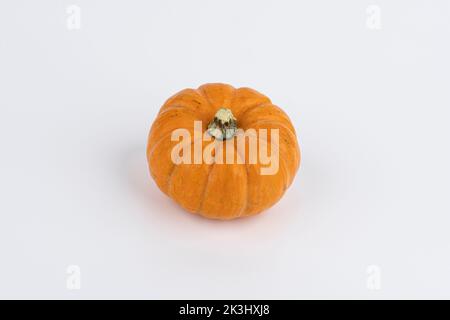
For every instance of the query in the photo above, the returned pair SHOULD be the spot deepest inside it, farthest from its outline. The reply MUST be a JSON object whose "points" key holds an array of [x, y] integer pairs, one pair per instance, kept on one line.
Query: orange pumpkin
{"points": [[216, 188]]}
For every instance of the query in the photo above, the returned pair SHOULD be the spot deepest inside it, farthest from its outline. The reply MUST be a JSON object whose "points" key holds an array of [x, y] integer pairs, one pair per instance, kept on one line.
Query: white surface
{"points": [[372, 112]]}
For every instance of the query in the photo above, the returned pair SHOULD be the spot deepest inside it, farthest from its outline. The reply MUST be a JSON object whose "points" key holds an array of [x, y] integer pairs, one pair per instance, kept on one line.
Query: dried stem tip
{"points": [[224, 125]]}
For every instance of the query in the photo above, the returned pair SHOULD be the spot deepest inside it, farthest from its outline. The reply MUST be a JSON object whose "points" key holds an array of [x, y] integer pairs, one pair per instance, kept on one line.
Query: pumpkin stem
{"points": [[224, 125]]}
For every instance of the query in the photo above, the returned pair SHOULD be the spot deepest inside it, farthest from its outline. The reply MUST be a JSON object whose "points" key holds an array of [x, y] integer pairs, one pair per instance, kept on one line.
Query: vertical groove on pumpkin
{"points": [[173, 99], [227, 103], [293, 137], [202, 90], [233, 97], [176, 106], [271, 114], [250, 94], [277, 122], [175, 166], [253, 106], [244, 208], [164, 136], [202, 199], [151, 150], [169, 178], [282, 163]]}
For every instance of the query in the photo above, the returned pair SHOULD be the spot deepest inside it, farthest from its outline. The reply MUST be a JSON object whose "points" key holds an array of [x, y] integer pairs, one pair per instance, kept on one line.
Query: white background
{"points": [[372, 112]]}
